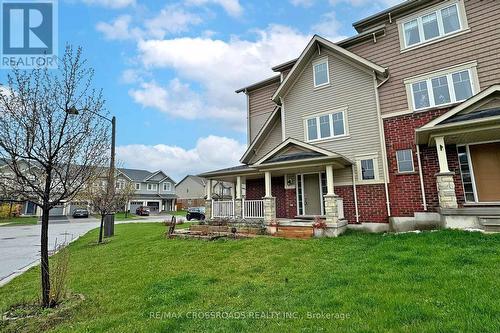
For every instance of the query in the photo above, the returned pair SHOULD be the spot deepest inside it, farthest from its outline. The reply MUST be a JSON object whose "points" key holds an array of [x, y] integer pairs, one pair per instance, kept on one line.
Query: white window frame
{"points": [[412, 164], [167, 187], [375, 169], [332, 134], [152, 187], [462, 19], [137, 186], [319, 62], [471, 67]]}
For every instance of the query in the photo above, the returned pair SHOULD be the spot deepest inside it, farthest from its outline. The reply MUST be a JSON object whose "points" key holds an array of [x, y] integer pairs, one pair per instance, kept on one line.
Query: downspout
{"points": [[382, 141], [355, 194], [424, 201]]}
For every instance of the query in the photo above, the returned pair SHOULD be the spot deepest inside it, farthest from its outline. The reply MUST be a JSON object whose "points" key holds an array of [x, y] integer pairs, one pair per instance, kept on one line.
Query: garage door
{"points": [[134, 205], [57, 211], [154, 206]]}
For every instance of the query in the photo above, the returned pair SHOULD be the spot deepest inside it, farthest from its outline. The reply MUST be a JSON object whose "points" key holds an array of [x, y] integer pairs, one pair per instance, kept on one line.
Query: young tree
{"points": [[104, 201], [50, 152]]}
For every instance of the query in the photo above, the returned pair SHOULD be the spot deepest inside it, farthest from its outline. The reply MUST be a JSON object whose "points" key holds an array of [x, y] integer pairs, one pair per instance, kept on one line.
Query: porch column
{"points": [[335, 227], [444, 179], [238, 212], [208, 200], [269, 200]]}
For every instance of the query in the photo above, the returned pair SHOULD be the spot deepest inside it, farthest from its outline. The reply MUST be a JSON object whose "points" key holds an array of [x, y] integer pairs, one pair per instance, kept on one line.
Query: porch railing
{"points": [[340, 208], [253, 209], [222, 208]]}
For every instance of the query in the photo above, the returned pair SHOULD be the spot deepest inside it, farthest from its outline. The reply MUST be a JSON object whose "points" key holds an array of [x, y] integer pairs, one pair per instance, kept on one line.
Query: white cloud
{"points": [[210, 153], [232, 7], [329, 27], [111, 3], [171, 19], [302, 3], [218, 67], [119, 29]]}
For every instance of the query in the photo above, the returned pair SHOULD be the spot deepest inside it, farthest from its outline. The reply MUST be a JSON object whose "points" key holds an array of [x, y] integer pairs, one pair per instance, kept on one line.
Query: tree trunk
{"points": [[100, 228], [10, 209], [44, 239]]}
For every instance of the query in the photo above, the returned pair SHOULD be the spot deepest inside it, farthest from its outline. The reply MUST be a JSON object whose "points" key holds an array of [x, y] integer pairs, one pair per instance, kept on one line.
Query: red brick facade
{"points": [[371, 203], [286, 200], [404, 189]]}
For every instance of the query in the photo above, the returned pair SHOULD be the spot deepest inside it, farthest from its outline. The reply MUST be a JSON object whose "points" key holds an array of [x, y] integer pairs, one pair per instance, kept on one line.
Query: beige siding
{"points": [[260, 107], [481, 44], [350, 87], [270, 142]]}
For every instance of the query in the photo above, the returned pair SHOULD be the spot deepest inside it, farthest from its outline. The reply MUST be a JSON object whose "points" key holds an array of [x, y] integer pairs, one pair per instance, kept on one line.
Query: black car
{"points": [[142, 211], [80, 213], [196, 213]]}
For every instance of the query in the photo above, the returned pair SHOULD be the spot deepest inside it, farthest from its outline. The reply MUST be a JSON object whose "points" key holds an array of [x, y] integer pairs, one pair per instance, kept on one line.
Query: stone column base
{"points": [[335, 229], [208, 209], [331, 214], [238, 209], [446, 190], [269, 209]]}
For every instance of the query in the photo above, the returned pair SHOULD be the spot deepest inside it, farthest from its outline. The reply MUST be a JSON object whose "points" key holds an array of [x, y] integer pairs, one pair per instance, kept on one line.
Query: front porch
{"points": [[289, 187]]}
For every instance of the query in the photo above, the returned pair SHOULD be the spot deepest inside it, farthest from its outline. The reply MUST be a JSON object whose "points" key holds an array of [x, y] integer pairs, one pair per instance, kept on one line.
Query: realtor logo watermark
{"points": [[29, 33]]}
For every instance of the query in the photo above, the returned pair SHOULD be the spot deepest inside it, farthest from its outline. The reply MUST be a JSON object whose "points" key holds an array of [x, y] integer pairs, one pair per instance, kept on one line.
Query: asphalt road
{"points": [[20, 245]]}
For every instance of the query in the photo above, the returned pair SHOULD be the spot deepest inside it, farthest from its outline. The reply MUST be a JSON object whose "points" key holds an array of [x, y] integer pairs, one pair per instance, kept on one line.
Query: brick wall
{"points": [[404, 189], [371, 203], [286, 202]]}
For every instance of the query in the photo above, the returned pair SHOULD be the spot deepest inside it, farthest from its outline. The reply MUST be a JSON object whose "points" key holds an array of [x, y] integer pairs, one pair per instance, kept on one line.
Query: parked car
{"points": [[142, 211], [196, 213], [80, 213]]}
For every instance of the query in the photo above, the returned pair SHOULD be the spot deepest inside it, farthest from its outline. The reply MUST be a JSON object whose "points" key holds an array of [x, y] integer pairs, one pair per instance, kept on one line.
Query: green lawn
{"points": [[444, 281], [178, 213], [21, 220], [121, 216]]}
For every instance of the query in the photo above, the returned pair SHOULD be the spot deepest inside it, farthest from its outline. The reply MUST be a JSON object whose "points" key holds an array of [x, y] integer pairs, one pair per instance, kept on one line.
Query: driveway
{"points": [[20, 245]]}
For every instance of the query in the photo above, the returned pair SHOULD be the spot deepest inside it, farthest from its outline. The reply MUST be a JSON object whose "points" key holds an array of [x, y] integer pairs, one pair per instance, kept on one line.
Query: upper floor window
{"points": [[440, 22], [152, 187], [326, 126], [167, 187], [320, 73], [442, 88], [120, 185], [137, 186]]}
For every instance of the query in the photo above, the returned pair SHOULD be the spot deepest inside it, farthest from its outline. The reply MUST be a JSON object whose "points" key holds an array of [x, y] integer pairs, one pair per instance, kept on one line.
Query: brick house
{"points": [[396, 126]]}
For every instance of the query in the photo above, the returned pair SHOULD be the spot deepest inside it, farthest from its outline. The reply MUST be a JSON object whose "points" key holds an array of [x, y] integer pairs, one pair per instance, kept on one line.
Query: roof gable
{"points": [[484, 104], [315, 45]]}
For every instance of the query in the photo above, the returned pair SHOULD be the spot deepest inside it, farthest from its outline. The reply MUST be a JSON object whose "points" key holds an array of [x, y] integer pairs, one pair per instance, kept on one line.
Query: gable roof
{"points": [[313, 46], [465, 106], [260, 84], [196, 179], [306, 151], [261, 134], [135, 174]]}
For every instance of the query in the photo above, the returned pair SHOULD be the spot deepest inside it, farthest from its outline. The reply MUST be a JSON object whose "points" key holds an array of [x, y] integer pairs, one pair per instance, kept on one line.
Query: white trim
{"points": [[470, 67], [374, 158], [320, 61], [462, 20], [155, 173], [473, 177], [330, 114], [333, 47]]}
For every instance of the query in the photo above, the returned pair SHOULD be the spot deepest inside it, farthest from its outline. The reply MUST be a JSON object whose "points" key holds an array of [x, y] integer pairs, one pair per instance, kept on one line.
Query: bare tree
{"points": [[102, 200], [50, 152]]}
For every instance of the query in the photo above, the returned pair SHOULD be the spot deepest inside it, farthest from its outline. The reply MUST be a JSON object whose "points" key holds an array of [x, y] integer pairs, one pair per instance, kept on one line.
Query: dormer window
{"points": [[320, 73], [433, 24]]}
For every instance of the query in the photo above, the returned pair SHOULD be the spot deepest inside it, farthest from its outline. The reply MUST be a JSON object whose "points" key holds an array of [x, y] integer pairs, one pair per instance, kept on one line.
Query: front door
{"points": [[486, 166], [312, 194]]}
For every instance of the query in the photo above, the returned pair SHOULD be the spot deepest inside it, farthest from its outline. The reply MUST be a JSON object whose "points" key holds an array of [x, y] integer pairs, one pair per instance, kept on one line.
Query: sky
{"points": [[169, 69]]}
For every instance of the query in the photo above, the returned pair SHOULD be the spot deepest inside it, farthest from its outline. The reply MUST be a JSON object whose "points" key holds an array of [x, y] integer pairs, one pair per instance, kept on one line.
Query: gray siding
{"points": [[190, 189], [260, 107], [270, 142], [481, 44], [350, 87]]}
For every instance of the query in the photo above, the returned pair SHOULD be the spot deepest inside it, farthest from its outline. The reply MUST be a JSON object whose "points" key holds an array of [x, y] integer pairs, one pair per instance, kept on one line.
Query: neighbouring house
{"points": [[396, 126], [155, 190], [191, 191]]}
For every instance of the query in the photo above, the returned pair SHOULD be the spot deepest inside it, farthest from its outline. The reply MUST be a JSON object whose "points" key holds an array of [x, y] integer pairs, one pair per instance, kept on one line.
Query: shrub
{"points": [[59, 275], [6, 211]]}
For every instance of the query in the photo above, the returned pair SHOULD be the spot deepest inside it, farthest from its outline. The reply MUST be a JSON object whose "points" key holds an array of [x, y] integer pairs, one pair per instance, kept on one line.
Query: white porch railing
{"points": [[253, 209], [340, 208], [222, 208]]}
